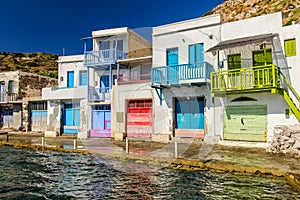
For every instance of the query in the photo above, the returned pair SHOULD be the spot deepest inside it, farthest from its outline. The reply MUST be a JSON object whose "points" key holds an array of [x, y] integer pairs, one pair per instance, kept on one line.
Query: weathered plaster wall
{"points": [[54, 116]]}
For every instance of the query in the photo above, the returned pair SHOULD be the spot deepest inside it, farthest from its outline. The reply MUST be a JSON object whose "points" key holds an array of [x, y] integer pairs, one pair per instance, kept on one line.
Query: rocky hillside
{"points": [[233, 10], [38, 63]]}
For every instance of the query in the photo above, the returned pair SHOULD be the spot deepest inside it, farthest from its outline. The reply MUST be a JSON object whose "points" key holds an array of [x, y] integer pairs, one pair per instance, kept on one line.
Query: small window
{"points": [[10, 87], [38, 105], [290, 47], [83, 79], [234, 61]]}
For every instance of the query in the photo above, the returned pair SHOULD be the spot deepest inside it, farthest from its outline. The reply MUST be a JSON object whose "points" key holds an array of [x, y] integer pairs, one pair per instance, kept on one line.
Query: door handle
{"points": [[242, 121]]}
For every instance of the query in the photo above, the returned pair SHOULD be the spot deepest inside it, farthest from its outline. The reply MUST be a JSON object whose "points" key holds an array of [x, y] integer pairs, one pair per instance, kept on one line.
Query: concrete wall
{"points": [[85, 118], [292, 63], [204, 30], [69, 63], [54, 116], [120, 95], [251, 27]]}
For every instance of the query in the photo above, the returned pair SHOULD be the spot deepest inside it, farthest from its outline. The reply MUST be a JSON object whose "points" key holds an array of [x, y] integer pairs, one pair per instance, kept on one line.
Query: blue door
{"points": [[70, 79], [189, 113], [71, 117], [172, 63]]}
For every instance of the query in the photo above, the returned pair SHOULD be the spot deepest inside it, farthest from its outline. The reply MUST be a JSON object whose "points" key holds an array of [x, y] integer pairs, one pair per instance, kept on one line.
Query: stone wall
{"points": [[30, 85], [286, 140]]}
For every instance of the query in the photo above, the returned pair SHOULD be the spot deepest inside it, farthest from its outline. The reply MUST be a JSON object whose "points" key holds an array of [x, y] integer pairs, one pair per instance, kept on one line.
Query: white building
{"points": [[67, 104], [181, 70], [256, 79]]}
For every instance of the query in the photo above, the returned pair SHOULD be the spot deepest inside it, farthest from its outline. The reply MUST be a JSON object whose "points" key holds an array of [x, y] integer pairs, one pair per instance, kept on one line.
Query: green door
{"points": [[247, 123]]}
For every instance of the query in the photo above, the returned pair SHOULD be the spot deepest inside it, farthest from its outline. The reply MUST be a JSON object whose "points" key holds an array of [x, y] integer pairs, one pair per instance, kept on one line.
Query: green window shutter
{"points": [[260, 59], [290, 47], [234, 61]]}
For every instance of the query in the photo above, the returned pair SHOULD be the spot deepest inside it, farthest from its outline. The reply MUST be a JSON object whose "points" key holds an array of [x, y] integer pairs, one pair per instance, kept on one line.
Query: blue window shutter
{"points": [[199, 53], [70, 79], [192, 54], [83, 79]]}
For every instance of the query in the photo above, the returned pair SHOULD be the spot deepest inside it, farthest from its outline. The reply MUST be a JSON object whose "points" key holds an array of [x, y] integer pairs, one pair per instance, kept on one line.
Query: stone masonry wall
{"points": [[31, 84], [286, 140]]}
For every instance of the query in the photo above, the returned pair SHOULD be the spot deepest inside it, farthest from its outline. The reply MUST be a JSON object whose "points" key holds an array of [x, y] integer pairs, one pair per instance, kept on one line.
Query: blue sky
{"points": [[51, 25]]}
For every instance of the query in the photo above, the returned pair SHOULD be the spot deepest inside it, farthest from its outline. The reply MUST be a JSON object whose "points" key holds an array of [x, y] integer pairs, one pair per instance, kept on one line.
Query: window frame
{"points": [[290, 50], [81, 83]]}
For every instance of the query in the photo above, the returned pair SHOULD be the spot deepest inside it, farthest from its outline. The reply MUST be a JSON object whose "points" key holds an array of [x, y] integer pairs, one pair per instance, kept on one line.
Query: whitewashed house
{"points": [[183, 106], [256, 62], [108, 46], [67, 104]]}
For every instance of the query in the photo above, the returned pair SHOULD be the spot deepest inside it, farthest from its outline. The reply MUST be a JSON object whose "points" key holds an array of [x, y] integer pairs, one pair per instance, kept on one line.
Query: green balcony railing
{"points": [[251, 79]]}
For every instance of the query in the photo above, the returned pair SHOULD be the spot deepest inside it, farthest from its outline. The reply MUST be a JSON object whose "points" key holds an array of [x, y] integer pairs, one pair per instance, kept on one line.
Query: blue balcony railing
{"points": [[102, 56], [181, 74]]}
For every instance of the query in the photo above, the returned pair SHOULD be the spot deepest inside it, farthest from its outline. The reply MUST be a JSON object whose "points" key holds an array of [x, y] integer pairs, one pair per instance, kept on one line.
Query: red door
{"points": [[139, 118]]}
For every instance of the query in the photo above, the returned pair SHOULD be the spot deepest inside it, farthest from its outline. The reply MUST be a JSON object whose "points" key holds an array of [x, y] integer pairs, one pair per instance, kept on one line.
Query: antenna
{"points": [[63, 51]]}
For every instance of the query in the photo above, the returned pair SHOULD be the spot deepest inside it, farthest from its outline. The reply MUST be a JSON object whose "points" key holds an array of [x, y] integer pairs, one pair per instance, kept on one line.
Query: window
{"points": [[38, 105], [83, 79], [259, 57], [290, 47], [104, 83], [104, 45], [234, 61], [10, 87], [196, 53]]}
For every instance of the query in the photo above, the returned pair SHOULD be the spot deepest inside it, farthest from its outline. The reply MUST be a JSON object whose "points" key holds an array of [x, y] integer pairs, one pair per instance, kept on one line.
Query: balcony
{"points": [[102, 57], [142, 78], [64, 93], [99, 94], [8, 97], [254, 79], [196, 74]]}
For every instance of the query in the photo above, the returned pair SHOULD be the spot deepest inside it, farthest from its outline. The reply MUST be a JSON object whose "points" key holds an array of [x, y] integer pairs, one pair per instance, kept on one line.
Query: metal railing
{"points": [[6, 97], [142, 78], [198, 72], [102, 56], [99, 94], [255, 78]]}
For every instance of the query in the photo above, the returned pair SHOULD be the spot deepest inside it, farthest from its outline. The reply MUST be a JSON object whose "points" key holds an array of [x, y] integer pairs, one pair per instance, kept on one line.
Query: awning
{"points": [[97, 37], [128, 61], [243, 41]]}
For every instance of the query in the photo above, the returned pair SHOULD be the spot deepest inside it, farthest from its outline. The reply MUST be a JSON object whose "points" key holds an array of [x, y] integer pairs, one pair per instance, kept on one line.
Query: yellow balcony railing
{"points": [[251, 79]]}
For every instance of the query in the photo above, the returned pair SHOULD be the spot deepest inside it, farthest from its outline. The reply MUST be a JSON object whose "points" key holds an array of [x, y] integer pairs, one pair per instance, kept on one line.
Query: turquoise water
{"points": [[27, 174]]}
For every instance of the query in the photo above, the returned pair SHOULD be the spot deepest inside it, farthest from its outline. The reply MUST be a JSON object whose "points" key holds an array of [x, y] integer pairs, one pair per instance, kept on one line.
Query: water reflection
{"points": [[28, 174]]}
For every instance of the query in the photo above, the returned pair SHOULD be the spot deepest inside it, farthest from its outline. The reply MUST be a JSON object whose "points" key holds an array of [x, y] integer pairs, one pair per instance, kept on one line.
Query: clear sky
{"points": [[51, 25]]}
